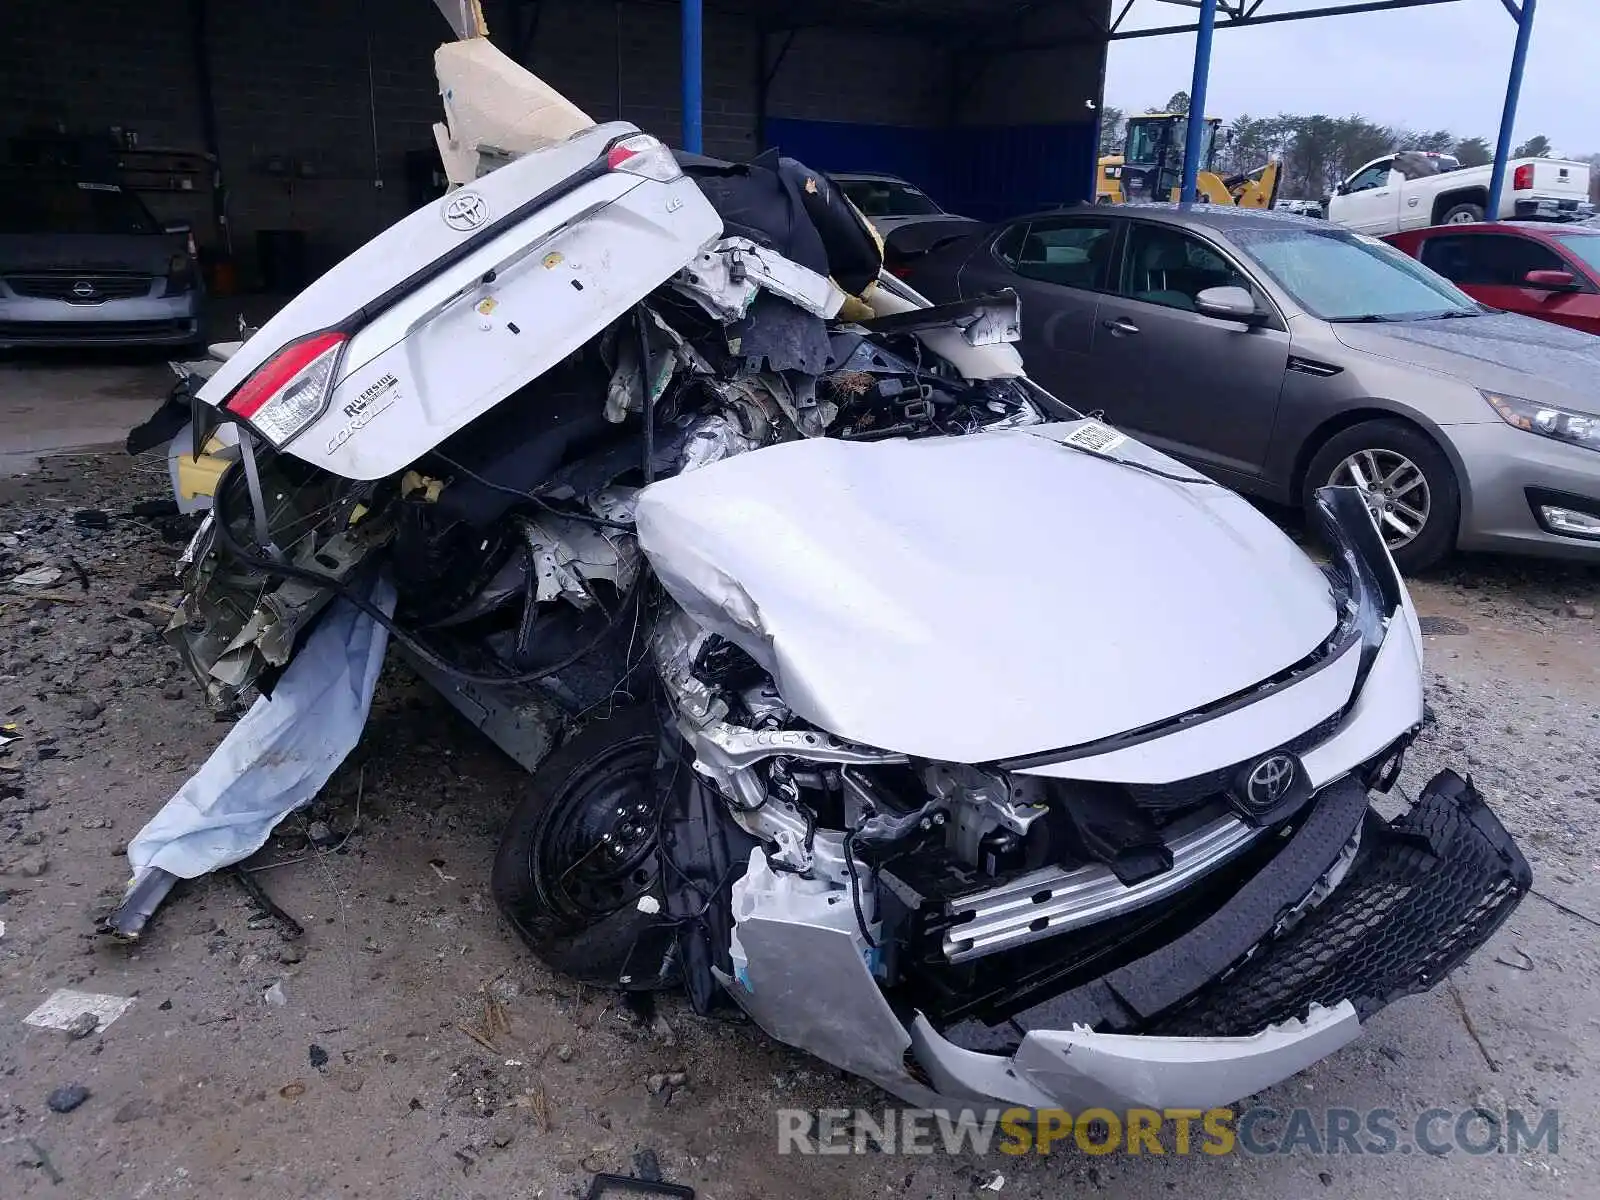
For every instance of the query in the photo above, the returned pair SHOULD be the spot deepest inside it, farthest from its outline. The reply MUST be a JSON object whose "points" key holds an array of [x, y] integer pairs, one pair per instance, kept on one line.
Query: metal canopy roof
{"points": [[988, 27]]}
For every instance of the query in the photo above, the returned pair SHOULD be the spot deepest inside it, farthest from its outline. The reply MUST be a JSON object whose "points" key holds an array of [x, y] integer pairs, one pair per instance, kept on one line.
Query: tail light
{"points": [[1522, 178], [644, 156], [292, 388]]}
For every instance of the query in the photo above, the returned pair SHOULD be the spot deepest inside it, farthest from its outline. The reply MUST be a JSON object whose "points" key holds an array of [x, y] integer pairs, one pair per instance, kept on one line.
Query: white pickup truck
{"points": [[1413, 189]]}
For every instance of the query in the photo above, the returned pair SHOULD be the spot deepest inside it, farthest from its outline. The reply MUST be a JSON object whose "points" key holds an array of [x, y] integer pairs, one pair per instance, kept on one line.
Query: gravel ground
{"points": [[407, 1046]]}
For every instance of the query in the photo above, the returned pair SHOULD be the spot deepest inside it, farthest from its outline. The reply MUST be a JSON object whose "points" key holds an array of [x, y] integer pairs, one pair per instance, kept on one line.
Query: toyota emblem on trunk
{"points": [[1269, 781], [466, 211], [83, 288]]}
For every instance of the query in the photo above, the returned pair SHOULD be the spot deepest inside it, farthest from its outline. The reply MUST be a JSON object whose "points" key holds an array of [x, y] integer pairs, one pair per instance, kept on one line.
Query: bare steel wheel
{"points": [[580, 850], [1395, 489], [1406, 479]]}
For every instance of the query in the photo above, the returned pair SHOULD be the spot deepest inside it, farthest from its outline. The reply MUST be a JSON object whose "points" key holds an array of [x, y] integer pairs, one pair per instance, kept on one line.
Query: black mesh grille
{"points": [[80, 289], [88, 331], [1424, 893], [1185, 793]]}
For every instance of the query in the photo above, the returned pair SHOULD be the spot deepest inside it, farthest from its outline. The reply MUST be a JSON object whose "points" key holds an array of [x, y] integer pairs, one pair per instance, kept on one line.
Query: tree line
{"points": [[1318, 151]]}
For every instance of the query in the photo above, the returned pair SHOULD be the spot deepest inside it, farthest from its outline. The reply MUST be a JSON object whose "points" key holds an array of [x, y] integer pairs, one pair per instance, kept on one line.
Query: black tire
{"points": [[1462, 214], [552, 880], [1437, 538]]}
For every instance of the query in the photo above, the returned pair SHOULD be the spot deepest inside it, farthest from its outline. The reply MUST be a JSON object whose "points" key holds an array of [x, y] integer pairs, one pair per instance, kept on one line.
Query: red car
{"points": [[1537, 269]]}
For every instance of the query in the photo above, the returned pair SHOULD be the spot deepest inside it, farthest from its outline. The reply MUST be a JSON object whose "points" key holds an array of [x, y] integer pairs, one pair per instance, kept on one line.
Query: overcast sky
{"points": [[1439, 67]]}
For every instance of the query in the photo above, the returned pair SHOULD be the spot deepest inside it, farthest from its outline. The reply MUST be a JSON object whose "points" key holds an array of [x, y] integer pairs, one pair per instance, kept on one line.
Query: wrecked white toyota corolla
{"points": [[964, 742]]}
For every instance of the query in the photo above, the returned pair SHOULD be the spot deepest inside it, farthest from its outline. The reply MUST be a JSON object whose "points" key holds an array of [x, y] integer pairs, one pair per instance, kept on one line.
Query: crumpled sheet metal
{"points": [[751, 548], [278, 756], [726, 278], [570, 554], [850, 1025]]}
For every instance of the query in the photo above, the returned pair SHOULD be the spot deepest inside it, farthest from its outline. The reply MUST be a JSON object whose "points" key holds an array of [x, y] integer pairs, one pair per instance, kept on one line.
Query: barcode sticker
{"points": [[1092, 435]]}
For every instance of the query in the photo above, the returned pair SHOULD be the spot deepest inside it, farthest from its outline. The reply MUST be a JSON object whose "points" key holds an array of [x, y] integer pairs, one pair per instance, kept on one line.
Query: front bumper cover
{"points": [[1244, 1001], [1425, 892]]}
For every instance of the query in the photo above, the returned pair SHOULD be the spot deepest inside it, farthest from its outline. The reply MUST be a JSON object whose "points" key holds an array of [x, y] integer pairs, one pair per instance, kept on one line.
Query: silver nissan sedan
{"points": [[1279, 354], [83, 263]]}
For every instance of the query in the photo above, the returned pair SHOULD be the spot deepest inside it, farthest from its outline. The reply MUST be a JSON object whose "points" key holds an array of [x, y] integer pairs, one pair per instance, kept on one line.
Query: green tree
{"points": [[1251, 143], [1314, 155], [1178, 103], [1439, 141], [1473, 152], [1538, 146], [1357, 141], [1112, 123]]}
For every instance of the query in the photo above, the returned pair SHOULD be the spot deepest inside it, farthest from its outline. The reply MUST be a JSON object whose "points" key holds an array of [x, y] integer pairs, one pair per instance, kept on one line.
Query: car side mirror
{"points": [[1229, 304], [177, 227], [1341, 189], [1551, 281]]}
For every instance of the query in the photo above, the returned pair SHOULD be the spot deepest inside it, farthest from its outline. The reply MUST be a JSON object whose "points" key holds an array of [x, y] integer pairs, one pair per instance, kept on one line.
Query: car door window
{"points": [[1008, 246], [1375, 176], [1072, 253], [1167, 266], [1488, 260]]}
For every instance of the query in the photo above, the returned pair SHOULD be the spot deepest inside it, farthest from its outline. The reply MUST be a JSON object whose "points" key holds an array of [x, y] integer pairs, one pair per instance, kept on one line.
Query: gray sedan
{"points": [[1280, 354], [83, 263]]}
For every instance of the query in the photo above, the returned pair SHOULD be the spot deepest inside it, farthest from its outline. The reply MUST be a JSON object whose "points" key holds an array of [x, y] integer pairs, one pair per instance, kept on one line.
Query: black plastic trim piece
{"points": [[604, 1185], [1344, 526], [1584, 504], [1309, 366], [1126, 999], [1323, 658]]}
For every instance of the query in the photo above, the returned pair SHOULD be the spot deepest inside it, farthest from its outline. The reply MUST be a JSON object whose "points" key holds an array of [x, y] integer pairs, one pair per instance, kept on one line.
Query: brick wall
{"points": [[290, 80], [290, 83]]}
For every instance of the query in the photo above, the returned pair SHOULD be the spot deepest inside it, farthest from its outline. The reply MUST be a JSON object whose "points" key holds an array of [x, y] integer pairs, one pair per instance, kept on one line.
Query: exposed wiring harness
{"points": [[589, 518], [230, 545], [855, 888]]}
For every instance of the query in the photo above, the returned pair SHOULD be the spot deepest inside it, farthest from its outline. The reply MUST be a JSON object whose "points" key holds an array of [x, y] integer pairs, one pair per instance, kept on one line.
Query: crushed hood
{"points": [[974, 598], [1504, 352]]}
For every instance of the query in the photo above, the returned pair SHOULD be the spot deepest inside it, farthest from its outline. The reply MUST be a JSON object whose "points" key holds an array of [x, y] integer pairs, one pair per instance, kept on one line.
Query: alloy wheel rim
{"points": [[1461, 218], [1395, 490]]}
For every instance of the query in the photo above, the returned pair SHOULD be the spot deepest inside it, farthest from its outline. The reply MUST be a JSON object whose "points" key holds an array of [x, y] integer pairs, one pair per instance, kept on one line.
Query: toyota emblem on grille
{"points": [[466, 211], [1269, 781], [83, 288]]}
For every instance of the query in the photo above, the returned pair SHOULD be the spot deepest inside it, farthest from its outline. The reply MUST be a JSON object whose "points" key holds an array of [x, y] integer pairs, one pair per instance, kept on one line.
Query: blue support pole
{"points": [[693, 125], [1508, 118], [1197, 99]]}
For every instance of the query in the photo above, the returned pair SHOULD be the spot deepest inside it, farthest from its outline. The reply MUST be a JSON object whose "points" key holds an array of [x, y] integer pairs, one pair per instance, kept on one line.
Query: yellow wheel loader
{"points": [[1151, 167]]}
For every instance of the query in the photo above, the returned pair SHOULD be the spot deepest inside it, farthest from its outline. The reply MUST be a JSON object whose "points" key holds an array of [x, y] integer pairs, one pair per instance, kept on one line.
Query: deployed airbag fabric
{"points": [[279, 755]]}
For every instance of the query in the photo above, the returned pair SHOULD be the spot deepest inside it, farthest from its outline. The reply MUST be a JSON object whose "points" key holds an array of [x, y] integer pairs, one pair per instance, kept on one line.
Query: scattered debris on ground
{"points": [[190, 993]]}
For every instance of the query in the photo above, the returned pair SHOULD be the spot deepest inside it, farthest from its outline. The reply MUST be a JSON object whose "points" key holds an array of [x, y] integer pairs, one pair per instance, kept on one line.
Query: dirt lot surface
{"points": [[407, 1045]]}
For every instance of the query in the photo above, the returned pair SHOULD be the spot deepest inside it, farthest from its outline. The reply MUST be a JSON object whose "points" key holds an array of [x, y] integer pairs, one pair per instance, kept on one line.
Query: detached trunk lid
{"points": [[476, 294]]}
